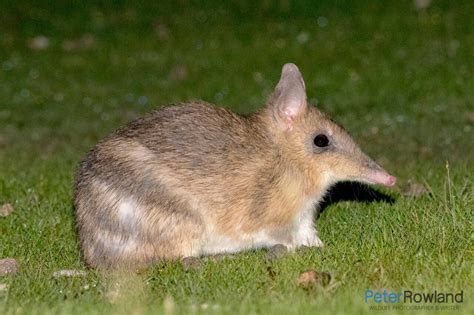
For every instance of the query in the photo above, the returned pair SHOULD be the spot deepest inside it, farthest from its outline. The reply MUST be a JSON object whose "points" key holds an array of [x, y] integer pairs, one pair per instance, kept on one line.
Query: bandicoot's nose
{"points": [[374, 174], [381, 177]]}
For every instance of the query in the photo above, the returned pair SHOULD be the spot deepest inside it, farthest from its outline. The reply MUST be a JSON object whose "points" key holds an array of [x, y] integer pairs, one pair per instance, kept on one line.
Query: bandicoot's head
{"points": [[322, 149]]}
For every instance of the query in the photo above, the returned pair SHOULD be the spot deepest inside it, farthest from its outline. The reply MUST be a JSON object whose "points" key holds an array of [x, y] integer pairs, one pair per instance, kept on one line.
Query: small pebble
{"points": [[311, 278], [69, 273], [3, 288], [85, 42], [169, 305], [421, 4], [38, 43], [414, 189], [161, 30], [275, 252], [178, 73], [469, 116], [113, 296], [6, 209], [191, 263], [8, 266]]}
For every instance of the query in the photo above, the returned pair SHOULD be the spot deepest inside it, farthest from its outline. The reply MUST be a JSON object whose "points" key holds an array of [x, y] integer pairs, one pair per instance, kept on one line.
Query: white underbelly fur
{"points": [[303, 232], [215, 244]]}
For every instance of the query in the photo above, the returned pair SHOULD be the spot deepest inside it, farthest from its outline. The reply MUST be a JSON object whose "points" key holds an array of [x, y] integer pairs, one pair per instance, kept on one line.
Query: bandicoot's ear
{"points": [[289, 98]]}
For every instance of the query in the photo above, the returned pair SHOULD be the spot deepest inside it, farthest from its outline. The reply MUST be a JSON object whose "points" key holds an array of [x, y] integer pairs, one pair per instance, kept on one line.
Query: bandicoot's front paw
{"points": [[313, 242], [309, 241]]}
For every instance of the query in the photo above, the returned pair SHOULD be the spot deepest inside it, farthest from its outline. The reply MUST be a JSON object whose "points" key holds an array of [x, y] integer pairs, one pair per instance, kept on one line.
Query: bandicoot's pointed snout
{"points": [[375, 174], [381, 177]]}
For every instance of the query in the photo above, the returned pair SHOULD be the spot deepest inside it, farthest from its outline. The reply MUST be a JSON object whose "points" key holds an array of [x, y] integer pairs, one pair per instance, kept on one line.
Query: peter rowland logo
{"points": [[412, 300]]}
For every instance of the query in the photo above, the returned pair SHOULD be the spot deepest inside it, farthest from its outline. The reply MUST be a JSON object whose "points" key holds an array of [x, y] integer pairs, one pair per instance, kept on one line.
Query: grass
{"points": [[399, 79]]}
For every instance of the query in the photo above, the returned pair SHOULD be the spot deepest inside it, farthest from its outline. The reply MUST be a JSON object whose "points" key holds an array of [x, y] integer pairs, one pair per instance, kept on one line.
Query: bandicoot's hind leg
{"points": [[118, 231], [173, 237]]}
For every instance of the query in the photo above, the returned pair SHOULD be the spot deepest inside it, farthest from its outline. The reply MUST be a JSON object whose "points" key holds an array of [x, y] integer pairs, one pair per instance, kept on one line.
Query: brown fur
{"points": [[161, 187]]}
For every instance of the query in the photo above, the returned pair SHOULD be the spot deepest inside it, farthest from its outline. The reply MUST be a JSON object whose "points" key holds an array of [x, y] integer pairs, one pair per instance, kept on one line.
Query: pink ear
{"points": [[289, 99], [290, 111]]}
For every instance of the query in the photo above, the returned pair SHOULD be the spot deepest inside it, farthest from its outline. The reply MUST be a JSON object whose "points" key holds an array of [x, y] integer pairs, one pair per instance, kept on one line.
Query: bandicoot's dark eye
{"points": [[321, 141]]}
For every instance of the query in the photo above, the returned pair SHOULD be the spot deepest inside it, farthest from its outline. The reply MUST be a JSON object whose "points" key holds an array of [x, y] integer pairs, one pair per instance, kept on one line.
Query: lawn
{"points": [[397, 77]]}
